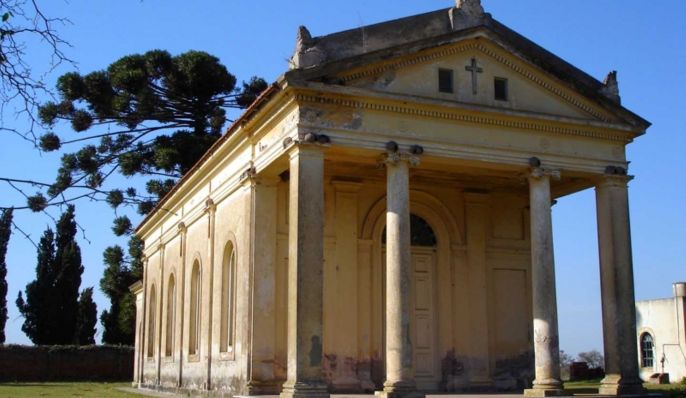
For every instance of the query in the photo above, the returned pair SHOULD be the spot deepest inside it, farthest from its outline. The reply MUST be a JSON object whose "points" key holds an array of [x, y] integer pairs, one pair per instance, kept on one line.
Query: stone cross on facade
{"points": [[474, 68]]}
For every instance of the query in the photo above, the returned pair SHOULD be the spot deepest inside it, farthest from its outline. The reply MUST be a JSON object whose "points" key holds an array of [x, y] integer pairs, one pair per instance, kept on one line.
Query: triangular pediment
{"points": [[477, 72], [377, 58]]}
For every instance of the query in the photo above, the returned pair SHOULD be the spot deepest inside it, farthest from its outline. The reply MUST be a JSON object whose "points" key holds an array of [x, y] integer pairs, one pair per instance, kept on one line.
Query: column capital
{"points": [[540, 172], [394, 158], [305, 149], [306, 140], [210, 206], [248, 174], [615, 176], [181, 228], [250, 177]]}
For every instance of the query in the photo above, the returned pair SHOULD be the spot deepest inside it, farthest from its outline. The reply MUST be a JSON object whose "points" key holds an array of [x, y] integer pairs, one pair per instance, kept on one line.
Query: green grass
{"points": [[109, 390], [675, 390], [64, 390]]}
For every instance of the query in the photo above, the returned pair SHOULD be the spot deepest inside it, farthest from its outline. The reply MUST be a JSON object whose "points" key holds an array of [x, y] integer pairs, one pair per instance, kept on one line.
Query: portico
{"points": [[363, 229]]}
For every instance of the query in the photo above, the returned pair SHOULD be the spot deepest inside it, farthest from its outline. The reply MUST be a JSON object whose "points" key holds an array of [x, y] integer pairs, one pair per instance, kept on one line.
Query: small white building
{"points": [[661, 335]]}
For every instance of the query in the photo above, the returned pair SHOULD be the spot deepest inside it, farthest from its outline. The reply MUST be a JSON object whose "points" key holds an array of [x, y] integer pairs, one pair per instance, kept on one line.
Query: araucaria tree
{"points": [[149, 115], [52, 300], [155, 116], [5, 232]]}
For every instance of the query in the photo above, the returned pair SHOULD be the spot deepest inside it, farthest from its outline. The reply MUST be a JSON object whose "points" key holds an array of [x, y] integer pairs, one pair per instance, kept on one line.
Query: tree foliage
{"points": [[51, 307], [151, 116], [155, 116], [566, 361], [87, 318], [5, 232], [593, 358], [121, 271]]}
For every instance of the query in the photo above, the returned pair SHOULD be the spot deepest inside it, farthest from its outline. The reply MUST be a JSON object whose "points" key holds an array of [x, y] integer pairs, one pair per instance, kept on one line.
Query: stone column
{"points": [[182, 231], [546, 339], [138, 289], [399, 358], [305, 273], [617, 285], [211, 210], [160, 314], [263, 260]]}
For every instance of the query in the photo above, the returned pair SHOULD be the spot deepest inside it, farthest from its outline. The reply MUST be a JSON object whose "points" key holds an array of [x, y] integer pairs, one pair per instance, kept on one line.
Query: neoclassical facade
{"points": [[379, 220]]}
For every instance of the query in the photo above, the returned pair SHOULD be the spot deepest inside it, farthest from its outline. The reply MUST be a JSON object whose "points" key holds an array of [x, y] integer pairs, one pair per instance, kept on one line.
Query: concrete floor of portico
{"points": [[150, 393]]}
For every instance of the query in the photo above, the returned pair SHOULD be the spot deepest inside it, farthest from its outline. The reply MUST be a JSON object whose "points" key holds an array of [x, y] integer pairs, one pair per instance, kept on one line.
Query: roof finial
{"points": [[470, 7], [611, 87], [306, 53], [304, 38]]}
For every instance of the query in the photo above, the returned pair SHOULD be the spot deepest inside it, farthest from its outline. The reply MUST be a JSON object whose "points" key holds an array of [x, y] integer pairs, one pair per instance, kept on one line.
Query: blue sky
{"points": [[642, 40]]}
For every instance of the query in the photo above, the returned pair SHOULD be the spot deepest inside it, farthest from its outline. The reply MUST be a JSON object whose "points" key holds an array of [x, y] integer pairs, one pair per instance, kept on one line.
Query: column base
{"points": [[401, 389], [398, 394], [614, 385], [545, 392], [304, 390], [258, 387]]}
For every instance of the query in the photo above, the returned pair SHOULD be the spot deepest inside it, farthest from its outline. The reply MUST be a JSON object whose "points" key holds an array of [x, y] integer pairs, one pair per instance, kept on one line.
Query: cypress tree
{"points": [[5, 232], [51, 307], [120, 272], [68, 281], [87, 318], [38, 309]]}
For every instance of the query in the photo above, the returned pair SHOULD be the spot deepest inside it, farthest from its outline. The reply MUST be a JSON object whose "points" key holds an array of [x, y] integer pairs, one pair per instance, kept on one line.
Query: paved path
{"points": [[149, 393]]}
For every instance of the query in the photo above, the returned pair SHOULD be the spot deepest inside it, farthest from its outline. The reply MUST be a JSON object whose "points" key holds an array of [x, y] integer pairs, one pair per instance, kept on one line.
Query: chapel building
{"points": [[379, 220], [661, 337]]}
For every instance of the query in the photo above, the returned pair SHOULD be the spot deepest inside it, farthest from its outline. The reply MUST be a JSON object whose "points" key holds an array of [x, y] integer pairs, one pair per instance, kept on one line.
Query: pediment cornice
{"points": [[344, 97]]}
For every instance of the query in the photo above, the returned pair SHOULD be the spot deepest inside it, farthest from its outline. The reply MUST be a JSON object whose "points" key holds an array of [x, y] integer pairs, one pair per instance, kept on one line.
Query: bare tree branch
{"points": [[20, 87]]}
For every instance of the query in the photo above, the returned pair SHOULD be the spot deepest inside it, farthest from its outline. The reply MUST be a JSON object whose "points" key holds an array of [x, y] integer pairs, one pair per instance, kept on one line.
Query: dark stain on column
{"points": [[316, 351], [407, 354]]}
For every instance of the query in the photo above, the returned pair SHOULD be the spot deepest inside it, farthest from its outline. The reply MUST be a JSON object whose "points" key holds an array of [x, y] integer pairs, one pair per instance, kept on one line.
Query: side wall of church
{"points": [[204, 237], [173, 268]]}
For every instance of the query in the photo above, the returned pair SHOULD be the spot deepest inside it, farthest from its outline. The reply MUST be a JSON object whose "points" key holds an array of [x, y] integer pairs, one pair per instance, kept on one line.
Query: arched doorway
{"points": [[423, 325]]}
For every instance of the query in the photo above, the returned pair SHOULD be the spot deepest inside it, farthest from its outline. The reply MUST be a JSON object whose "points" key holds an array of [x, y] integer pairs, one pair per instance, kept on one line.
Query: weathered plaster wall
{"points": [[475, 302], [481, 274], [664, 320]]}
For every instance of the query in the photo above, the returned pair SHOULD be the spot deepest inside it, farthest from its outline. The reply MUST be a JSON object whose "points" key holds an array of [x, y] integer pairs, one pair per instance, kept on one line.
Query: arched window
{"points": [[647, 351], [171, 317], [421, 233], [228, 290], [194, 332], [152, 305]]}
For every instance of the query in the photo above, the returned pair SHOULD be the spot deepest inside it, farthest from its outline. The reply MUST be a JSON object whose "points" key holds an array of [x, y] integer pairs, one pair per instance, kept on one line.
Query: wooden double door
{"points": [[423, 317]]}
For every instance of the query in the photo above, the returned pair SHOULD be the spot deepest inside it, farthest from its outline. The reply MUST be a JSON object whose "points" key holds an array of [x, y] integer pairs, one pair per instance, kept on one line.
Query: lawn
{"points": [[109, 390], [64, 390], [668, 390]]}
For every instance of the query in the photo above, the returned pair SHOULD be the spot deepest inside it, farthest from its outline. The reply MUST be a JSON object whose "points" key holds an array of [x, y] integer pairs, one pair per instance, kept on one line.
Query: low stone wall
{"points": [[66, 363]]}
